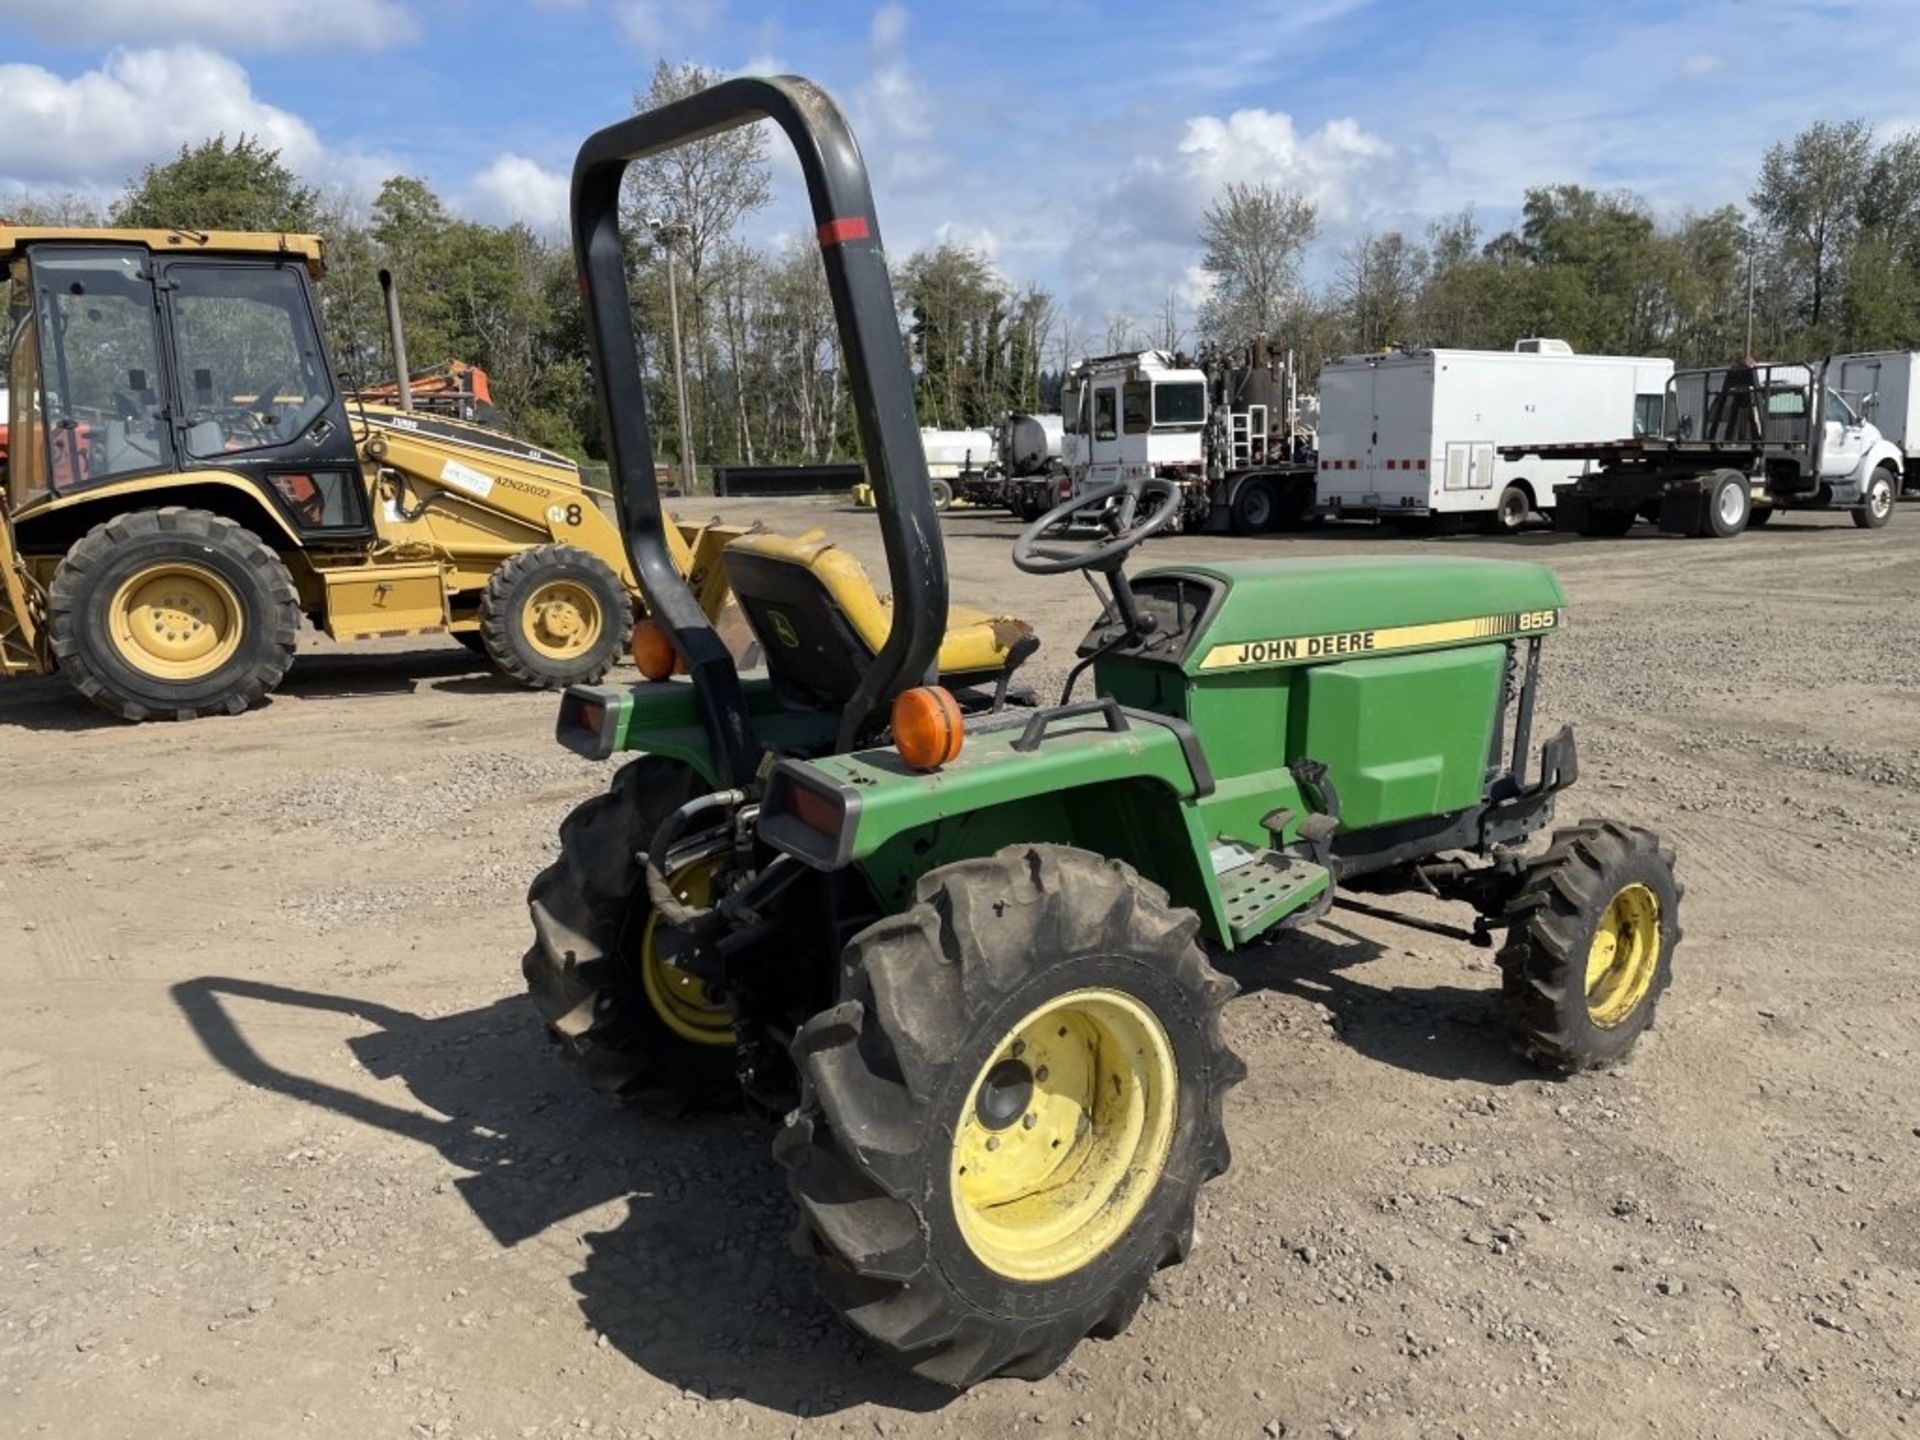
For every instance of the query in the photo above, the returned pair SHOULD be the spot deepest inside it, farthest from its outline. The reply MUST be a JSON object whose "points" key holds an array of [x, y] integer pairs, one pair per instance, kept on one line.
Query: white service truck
{"points": [[1417, 434], [1885, 387], [1225, 428]]}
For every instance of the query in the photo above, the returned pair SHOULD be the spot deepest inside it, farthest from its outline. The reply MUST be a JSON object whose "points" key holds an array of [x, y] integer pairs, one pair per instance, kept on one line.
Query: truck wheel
{"points": [[1254, 508], [628, 1019], [942, 493], [1876, 507], [555, 615], [1590, 946], [1006, 1121], [1729, 502], [1608, 524], [172, 614], [1511, 514]]}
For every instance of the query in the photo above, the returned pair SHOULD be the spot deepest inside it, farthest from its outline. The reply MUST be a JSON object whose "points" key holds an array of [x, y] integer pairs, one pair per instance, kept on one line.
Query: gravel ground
{"points": [[285, 1153]]}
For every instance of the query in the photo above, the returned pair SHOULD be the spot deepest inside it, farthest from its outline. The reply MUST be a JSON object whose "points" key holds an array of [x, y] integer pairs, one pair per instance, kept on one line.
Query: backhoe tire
{"points": [[1876, 506], [1006, 1122], [1589, 950], [554, 616], [172, 614], [588, 971], [942, 493]]}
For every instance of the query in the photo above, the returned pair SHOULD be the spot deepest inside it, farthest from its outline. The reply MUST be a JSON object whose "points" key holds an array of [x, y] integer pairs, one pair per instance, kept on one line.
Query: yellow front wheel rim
{"points": [[1624, 956], [561, 620], [679, 999], [1064, 1134], [176, 621]]}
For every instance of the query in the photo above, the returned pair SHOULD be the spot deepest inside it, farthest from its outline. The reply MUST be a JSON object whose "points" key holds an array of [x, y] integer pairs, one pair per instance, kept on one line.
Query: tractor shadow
{"points": [[1446, 1031], [50, 705], [696, 1284]]}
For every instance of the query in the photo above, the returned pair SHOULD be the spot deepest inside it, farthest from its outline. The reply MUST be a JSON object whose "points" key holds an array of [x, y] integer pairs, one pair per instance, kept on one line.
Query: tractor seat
{"points": [[820, 622]]}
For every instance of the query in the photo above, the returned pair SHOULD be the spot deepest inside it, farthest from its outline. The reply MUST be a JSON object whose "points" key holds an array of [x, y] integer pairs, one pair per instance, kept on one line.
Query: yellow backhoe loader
{"points": [[187, 479]]}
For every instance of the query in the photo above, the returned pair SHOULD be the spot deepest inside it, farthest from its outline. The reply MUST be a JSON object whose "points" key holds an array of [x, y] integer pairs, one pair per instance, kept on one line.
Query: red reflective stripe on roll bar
{"points": [[849, 227]]}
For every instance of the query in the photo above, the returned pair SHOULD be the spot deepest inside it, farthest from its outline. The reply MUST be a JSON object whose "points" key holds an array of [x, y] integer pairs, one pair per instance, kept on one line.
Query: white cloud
{"points": [[254, 25], [516, 188], [657, 26], [1328, 165], [140, 105]]}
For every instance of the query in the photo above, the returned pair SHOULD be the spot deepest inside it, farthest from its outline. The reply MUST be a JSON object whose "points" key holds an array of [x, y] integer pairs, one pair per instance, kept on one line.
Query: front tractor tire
{"points": [[172, 614], [1006, 1121], [553, 616], [632, 1023], [1590, 947]]}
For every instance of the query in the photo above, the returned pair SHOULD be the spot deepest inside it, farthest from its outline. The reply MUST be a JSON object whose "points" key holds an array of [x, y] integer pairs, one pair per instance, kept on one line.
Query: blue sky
{"points": [[1077, 142]]}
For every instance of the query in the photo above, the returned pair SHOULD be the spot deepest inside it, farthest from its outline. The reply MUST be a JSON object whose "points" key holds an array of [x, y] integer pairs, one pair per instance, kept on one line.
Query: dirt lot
{"points": [[285, 1152]]}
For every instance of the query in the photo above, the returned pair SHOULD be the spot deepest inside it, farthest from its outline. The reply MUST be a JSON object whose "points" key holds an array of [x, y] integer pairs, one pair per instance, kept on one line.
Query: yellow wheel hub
{"points": [[1064, 1134], [175, 621], [562, 620], [1624, 956], [679, 999]]}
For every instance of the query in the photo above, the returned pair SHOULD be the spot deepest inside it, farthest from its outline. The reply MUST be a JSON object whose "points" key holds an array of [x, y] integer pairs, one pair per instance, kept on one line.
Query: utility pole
{"points": [[666, 232], [1750, 259]]}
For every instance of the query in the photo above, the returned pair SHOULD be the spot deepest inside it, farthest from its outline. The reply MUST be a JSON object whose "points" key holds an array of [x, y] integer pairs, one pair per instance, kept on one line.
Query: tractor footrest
{"points": [[1266, 887]]}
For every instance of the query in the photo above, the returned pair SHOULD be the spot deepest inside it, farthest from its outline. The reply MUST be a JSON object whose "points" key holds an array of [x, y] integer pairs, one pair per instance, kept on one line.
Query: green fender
{"points": [[1128, 793]]}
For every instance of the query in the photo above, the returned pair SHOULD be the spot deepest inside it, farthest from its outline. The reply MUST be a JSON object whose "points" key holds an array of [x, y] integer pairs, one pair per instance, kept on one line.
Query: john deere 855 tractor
{"points": [[961, 945], [187, 479]]}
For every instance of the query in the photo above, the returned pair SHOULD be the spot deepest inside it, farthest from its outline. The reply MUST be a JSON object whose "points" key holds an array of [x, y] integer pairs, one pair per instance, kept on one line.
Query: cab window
{"points": [[1105, 416], [1182, 404], [1136, 399], [100, 357], [1070, 409], [27, 436], [1649, 414], [251, 373]]}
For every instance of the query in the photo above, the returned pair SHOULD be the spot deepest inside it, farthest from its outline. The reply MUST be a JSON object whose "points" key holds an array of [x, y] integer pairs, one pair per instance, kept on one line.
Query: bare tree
{"points": [[1252, 238]]}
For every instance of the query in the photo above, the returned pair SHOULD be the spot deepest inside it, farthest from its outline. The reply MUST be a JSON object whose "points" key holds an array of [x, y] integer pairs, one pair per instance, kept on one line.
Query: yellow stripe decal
{"points": [[1291, 649]]}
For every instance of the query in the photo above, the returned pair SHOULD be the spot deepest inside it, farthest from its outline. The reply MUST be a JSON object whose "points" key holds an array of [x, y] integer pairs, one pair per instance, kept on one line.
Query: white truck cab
{"points": [[1132, 416]]}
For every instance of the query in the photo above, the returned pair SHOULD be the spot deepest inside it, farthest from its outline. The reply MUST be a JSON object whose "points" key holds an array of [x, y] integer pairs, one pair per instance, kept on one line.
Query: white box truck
{"points": [[1884, 386], [1417, 433]]}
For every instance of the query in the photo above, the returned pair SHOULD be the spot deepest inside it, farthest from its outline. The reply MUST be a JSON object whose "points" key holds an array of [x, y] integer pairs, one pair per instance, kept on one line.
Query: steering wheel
{"points": [[1126, 528]]}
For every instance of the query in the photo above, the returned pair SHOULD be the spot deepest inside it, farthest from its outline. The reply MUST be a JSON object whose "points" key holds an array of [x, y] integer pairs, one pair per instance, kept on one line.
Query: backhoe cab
{"points": [[187, 479], [961, 945]]}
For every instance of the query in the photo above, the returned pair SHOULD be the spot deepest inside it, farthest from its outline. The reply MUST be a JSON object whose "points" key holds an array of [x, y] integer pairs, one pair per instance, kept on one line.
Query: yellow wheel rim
{"points": [[175, 621], [679, 999], [1624, 956], [1064, 1134], [562, 620]]}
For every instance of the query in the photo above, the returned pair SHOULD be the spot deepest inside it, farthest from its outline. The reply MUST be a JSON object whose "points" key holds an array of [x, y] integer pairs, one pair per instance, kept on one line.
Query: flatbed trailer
{"points": [[1731, 454], [1686, 487]]}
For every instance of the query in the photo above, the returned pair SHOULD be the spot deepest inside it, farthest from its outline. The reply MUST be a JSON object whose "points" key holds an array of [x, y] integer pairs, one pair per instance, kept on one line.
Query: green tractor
{"points": [[959, 944]]}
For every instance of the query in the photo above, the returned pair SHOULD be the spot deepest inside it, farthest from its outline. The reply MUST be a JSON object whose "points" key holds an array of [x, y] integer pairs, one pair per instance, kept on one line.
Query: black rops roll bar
{"points": [[877, 374]]}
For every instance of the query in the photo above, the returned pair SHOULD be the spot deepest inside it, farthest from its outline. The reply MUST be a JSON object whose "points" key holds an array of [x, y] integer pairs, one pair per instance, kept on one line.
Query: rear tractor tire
{"points": [[629, 1020], [1006, 1121], [1590, 947], [172, 614], [554, 616]]}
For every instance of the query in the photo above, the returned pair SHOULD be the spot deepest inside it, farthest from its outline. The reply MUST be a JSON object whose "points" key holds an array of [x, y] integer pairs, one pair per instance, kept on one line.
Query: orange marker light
{"points": [[653, 651], [926, 727]]}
